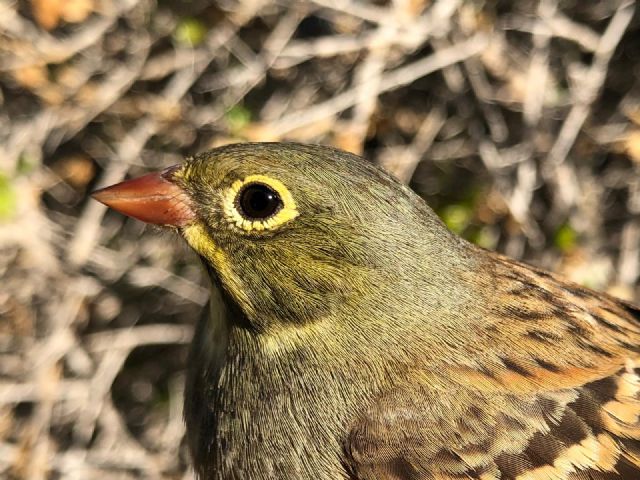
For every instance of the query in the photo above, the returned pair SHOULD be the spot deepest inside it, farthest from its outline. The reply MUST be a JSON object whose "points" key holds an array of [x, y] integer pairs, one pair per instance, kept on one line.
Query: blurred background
{"points": [[518, 121]]}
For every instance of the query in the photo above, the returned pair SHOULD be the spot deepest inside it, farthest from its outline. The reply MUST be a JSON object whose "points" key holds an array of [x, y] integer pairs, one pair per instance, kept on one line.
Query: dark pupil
{"points": [[259, 201]]}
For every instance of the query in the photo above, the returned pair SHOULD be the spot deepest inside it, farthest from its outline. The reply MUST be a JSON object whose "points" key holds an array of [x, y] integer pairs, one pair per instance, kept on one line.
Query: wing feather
{"points": [[558, 398]]}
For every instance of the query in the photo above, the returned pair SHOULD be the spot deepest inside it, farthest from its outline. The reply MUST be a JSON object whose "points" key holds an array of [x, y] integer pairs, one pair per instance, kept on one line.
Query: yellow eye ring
{"points": [[232, 204]]}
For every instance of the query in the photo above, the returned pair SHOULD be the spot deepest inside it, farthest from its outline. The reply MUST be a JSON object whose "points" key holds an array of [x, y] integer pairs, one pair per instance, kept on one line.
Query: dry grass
{"points": [[518, 121]]}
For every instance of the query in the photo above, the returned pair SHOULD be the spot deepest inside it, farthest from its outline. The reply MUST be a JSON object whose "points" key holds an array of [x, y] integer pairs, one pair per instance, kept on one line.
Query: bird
{"points": [[351, 335]]}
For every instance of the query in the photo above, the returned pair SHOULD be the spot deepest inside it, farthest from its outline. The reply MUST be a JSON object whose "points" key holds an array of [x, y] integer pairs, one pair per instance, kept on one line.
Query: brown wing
{"points": [[557, 398]]}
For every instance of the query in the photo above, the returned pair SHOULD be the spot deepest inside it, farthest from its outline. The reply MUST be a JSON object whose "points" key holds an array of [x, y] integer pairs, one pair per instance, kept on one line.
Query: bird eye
{"points": [[258, 201]]}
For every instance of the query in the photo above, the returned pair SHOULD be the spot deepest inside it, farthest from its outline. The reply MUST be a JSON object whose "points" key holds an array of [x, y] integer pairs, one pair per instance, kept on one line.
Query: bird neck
{"points": [[286, 386], [253, 409]]}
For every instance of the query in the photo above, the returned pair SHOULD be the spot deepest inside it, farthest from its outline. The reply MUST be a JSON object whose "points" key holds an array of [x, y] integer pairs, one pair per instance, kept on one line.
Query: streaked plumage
{"points": [[350, 335]]}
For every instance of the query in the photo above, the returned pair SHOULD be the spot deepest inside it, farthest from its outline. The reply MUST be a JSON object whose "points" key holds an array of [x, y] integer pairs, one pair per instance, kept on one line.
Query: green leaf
{"points": [[190, 32], [456, 217], [8, 198], [237, 118], [565, 238], [484, 237]]}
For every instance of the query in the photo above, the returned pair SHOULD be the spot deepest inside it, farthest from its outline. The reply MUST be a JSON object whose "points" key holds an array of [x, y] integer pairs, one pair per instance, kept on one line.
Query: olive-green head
{"points": [[293, 233]]}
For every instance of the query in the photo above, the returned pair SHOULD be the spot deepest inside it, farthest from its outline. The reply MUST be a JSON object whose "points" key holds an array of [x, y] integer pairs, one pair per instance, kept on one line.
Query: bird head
{"points": [[294, 233]]}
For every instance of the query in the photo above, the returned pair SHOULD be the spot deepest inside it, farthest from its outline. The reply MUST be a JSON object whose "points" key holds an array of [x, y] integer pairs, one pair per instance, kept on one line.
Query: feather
{"points": [[555, 397]]}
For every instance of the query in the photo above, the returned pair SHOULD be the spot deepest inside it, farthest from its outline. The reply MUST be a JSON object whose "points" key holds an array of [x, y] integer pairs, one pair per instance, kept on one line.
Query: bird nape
{"points": [[349, 334]]}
